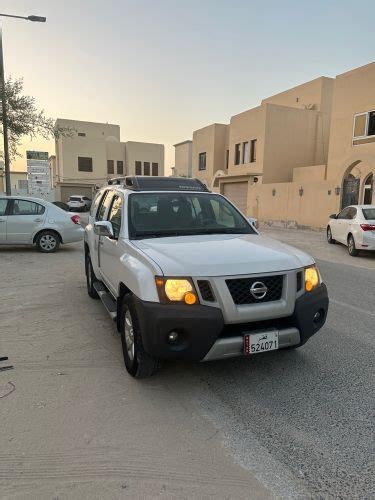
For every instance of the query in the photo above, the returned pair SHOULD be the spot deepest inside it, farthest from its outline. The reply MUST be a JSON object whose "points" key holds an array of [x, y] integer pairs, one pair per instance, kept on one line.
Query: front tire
{"points": [[90, 278], [138, 363], [47, 242], [351, 246], [329, 236]]}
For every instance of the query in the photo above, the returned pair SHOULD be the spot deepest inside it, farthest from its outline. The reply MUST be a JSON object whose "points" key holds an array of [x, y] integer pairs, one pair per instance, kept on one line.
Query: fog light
{"points": [[318, 316], [172, 337]]}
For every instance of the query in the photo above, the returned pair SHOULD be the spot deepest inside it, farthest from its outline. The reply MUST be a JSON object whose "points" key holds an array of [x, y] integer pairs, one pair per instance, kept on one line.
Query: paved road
{"points": [[293, 423]]}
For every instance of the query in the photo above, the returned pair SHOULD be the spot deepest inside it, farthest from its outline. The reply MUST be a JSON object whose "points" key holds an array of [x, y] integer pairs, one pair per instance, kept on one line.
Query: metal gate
{"points": [[350, 192]]}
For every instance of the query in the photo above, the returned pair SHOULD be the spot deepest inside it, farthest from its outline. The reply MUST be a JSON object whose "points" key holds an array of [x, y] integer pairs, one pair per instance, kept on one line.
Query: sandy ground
{"points": [[73, 423], [291, 424]]}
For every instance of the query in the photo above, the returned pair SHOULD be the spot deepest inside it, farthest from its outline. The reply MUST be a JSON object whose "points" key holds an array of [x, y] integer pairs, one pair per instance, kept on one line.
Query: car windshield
{"points": [[153, 215], [369, 213], [75, 198]]}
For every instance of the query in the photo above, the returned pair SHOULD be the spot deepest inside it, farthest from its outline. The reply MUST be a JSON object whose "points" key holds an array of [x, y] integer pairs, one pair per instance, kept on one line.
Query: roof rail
{"points": [[153, 183]]}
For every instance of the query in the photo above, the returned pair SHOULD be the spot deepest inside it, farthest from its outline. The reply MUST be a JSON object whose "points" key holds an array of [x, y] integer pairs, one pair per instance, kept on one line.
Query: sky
{"points": [[163, 68]]}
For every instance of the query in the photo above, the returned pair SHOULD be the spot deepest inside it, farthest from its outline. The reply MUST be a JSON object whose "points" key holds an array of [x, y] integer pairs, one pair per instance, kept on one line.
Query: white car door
{"points": [[25, 219], [3, 219], [342, 225], [99, 213], [110, 250]]}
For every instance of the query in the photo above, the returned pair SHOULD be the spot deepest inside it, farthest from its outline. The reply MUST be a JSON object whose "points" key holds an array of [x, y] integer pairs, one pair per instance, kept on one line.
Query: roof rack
{"points": [[151, 183]]}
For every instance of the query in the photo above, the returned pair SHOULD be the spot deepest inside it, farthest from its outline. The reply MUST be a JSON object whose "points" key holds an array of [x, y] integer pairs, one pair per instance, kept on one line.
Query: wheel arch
{"points": [[50, 230], [122, 291]]}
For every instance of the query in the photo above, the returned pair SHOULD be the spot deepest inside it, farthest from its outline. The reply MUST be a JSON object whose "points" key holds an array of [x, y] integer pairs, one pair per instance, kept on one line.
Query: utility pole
{"points": [[5, 120], [3, 99]]}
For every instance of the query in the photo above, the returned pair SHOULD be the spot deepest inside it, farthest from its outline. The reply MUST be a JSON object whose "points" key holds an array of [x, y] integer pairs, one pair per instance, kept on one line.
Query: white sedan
{"points": [[354, 226], [31, 221]]}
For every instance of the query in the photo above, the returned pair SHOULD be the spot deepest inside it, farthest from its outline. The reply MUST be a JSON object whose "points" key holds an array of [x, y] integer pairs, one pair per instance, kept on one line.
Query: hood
{"points": [[222, 255]]}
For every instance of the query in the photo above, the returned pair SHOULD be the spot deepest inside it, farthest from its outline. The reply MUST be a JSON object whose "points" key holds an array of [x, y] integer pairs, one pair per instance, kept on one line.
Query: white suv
{"points": [[79, 203], [185, 275]]}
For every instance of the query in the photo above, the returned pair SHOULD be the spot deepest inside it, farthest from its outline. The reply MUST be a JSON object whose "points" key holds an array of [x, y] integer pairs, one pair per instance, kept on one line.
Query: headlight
{"points": [[176, 290], [312, 279]]}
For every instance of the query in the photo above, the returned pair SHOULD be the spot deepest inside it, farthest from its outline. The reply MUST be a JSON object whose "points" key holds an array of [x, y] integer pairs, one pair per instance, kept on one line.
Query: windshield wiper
{"points": [[189, 232], [157, 234]]}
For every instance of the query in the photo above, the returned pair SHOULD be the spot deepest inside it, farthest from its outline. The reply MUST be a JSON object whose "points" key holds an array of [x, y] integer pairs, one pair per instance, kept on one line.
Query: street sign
{"points": [[38, 174]]}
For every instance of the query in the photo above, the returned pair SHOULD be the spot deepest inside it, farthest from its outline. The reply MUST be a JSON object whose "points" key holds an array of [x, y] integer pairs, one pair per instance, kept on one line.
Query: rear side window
{"points": [[3, 206], [24, 207], [352, 213], [369, 213], [104, 203], [344, 214]]}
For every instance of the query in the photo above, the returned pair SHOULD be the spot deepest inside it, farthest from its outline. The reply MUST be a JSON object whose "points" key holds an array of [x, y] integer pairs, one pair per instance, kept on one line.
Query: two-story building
{"points": [[299, 156], [94, 152]]}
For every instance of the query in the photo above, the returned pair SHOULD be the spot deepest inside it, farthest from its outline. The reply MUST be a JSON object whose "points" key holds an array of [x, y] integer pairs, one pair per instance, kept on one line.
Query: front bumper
{"points": [[204, 336]]}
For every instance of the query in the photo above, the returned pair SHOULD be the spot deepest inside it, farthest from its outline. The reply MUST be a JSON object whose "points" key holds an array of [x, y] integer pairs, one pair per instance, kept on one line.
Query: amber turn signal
{"points": [[190, 298]]}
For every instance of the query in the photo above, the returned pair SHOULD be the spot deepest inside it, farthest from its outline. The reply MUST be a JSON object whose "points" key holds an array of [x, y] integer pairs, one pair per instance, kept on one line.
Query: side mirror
{"points": [[333, 216], [253, 222], [103, 228]]}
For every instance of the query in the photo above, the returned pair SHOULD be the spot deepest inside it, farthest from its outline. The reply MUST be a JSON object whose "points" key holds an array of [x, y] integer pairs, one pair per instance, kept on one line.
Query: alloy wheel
{"points": [[129, 335], [48, 242]]}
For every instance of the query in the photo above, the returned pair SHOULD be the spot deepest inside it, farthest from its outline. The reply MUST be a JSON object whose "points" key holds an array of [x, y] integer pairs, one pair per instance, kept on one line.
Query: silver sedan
{"points": [[32, 221]]}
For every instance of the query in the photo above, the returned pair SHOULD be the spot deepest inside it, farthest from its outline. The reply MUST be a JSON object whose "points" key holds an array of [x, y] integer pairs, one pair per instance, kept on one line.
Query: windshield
{"points": [[369, 213], [75, 198], [153, 215]]}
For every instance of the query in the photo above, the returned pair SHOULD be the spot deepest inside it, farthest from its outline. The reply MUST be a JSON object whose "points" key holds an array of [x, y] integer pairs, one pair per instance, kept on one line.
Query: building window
{"points": [[84, 164], [237, 154], [227, 158], [81, 134], [155, 169], [138, 168], [253, 151], [110, 167], [146, 168], [364, 126], [120, 167], [202, 161], [245, 152]]}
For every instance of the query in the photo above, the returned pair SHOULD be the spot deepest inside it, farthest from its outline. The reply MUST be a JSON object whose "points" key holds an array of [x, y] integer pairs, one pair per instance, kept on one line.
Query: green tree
{"points": [[24, 119]]}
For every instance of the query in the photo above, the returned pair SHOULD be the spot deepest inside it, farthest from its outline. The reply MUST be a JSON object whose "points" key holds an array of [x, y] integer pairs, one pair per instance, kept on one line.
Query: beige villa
{"points": [[299, 156], [95, 153]]}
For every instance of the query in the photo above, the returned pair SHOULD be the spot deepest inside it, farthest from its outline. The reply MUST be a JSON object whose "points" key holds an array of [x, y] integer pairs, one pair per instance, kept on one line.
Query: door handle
{"points": [[100, 243], [2, 220], [38, 220]]}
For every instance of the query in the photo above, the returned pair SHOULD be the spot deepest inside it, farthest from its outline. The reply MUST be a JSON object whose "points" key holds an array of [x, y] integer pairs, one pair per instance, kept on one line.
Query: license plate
{"points": [[255, 343]]}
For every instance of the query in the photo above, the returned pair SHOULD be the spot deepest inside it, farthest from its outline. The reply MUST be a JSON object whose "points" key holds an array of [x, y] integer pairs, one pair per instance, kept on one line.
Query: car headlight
{"points": [[176, 290], [312, 278]]}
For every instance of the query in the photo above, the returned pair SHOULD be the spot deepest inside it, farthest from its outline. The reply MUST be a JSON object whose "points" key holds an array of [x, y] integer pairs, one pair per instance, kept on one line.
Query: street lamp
{"points": [[37, 19]]}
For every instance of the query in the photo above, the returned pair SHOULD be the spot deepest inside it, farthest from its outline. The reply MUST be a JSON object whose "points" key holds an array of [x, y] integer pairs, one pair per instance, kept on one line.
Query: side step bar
{"points": [[107, 299]]}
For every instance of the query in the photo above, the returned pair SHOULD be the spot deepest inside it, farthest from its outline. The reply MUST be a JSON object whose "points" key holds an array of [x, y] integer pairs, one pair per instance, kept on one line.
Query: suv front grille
{"points": [[206, 290], [240, 289]]}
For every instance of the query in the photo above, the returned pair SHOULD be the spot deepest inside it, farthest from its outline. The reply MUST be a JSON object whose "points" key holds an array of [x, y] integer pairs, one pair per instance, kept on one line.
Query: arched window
{"points": [[368, 190]]}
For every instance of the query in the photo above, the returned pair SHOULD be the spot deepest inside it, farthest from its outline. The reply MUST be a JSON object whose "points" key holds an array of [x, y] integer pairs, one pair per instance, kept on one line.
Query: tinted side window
{"points": [[115, 215], [3, 206], [344, 214], [95, 203], [352, 213], [104, 203], [24, 207]]}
